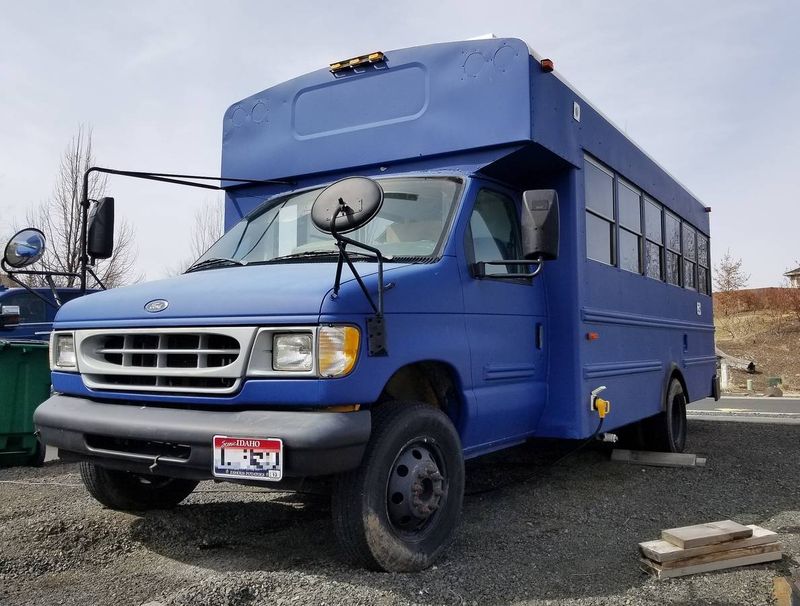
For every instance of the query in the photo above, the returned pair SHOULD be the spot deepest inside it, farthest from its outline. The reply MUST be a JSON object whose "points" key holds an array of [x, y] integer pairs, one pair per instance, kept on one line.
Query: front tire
{"points": [[399, 509], [125, 491]]}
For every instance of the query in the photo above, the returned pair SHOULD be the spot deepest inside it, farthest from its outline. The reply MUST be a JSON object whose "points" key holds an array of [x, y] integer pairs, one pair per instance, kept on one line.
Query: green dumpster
{"points": [[24, 384]]}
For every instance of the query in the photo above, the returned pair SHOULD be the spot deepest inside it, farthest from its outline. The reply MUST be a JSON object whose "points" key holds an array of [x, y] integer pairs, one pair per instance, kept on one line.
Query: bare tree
{"points": [[60, 220], [207, 228], [729, 275]]}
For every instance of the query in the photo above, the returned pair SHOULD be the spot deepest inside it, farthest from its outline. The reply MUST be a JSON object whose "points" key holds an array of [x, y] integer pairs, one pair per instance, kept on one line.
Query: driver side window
{"points": [[495, 231]]}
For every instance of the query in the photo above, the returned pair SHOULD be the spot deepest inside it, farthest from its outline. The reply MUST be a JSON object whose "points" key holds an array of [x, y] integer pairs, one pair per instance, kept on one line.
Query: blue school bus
{"points": [[430, 254]]}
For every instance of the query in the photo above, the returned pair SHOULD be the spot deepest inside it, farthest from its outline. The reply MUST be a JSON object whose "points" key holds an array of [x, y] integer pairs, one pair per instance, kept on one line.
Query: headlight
{"points": [[338, 350], [62, 354], [292, 352]]}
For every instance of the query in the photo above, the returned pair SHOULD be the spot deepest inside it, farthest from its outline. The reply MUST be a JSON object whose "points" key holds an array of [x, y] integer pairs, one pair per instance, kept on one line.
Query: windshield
{"points": [[411, 223]]}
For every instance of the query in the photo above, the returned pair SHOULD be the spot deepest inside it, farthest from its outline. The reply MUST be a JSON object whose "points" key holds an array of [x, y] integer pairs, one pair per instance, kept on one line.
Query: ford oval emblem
{"points": [[156, 305]]}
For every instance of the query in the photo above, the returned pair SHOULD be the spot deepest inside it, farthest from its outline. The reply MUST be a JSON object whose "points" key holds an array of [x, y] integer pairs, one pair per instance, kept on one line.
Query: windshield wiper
{"points": [[215, 262], [319, 253]]}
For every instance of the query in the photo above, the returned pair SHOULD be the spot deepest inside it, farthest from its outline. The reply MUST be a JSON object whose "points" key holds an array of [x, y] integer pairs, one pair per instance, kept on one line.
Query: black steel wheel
{"points": [[398, 511], [127, 491]]}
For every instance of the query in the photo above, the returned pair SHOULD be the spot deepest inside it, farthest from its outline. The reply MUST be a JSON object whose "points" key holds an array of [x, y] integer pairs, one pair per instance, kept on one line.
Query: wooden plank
{"points": [[786, 591], [728, 554], [657, 459], [664, 551], [668, 573], [706, 534]]}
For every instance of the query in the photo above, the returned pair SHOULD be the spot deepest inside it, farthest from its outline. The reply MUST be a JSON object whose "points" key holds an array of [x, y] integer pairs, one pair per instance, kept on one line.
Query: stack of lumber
{"points": [[707, 547]]}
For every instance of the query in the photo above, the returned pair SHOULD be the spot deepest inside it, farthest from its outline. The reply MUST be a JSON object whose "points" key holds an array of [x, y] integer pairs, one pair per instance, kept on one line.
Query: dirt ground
{"points": [[563, 534], [756, 330]]}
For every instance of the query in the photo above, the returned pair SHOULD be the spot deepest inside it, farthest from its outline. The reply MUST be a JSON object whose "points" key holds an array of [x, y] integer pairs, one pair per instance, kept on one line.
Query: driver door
{"points": [[506, 323]]}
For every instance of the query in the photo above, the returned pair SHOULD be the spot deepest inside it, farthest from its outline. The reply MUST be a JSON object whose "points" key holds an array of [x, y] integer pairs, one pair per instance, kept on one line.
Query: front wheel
{"points": [[127, 491], [399, 509]]}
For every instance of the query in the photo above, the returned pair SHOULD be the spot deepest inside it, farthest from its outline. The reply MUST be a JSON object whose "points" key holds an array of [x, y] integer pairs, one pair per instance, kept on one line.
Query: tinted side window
{"points": [[599, 194], [599, 190], [495, 230], [31, 308], [703, 274], [630, 227], [672, 232], [689, 256], [654, 251]]}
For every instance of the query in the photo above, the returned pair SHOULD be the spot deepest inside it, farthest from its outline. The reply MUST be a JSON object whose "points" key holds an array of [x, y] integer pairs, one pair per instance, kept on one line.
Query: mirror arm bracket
{"points": [[376, 330], [13, 276], [97, 279]]}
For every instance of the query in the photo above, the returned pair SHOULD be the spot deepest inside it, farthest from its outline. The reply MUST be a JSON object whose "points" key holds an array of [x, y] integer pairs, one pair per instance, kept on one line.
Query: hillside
{"points": [[762, 325]]}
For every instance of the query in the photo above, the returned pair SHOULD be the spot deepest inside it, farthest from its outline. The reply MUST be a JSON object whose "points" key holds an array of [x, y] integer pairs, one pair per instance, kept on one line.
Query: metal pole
{"points": [[84, 221]]}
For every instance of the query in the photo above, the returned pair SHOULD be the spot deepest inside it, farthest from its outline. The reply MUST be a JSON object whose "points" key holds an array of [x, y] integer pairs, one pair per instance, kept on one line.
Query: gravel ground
{"points": [[562, 534]]}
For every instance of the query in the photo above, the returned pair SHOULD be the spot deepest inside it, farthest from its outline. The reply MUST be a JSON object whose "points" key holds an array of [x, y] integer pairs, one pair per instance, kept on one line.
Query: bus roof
{"points": [[430, 102]]}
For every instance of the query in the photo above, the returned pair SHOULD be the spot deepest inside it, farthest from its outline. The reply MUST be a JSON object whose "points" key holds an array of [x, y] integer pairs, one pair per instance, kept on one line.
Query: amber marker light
{"points": [[547, 65], [592, 336], [337, 350], [357, 61]]}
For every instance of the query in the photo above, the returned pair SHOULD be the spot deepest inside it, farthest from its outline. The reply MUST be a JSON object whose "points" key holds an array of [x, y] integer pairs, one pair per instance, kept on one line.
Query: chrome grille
{"points": [[172, 359], [170, 350]]}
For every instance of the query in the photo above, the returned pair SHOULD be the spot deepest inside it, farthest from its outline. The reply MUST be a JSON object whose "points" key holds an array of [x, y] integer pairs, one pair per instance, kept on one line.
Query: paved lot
{"points": [[748, 404], [553, 535]]}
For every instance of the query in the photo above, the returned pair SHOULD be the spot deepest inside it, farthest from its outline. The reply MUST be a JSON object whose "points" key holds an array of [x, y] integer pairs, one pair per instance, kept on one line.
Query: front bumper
{"points": [[133, 437]]}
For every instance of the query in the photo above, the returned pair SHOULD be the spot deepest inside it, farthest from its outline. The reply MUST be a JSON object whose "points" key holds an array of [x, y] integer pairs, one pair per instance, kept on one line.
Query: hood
{"points": [[230, 295]]}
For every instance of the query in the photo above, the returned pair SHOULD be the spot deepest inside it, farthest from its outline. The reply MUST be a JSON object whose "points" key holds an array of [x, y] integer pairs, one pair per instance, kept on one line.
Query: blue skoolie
{"points": [[542, 276]]}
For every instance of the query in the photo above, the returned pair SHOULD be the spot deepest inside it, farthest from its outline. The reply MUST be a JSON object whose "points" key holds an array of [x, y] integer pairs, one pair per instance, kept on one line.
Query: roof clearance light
{"points": [[357, 61]]}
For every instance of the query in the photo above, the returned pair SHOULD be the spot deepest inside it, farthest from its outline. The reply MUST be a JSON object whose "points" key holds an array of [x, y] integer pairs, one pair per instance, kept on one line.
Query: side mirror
{"points": [[9, 315], [24, 248], [540, 224], [346, 205], [100, 239]]}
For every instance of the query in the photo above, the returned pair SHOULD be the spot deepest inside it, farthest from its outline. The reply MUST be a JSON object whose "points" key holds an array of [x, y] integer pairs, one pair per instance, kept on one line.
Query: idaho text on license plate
{"points": [[248, 458]]}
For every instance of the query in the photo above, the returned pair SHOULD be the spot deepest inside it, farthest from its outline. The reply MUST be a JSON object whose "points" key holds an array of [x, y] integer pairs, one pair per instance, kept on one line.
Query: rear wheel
{"points": [[666, 432], [131, 491], [398, 511]]}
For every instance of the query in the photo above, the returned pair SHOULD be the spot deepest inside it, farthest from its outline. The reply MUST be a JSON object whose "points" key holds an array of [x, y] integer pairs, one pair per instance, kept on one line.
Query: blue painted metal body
{"points": [[483, 111]]}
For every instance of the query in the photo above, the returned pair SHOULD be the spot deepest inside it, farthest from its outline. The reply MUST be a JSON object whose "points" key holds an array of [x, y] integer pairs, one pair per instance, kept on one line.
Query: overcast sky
{"points": [[711, 90]]}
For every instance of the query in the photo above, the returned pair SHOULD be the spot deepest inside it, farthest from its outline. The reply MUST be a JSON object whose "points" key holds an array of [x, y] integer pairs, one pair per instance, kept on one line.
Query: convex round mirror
{"points": [[25, 248], [359, 199]]}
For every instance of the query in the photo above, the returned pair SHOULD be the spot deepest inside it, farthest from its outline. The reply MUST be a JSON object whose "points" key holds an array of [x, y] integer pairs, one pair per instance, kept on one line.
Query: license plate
{"points": [[248, 458]]}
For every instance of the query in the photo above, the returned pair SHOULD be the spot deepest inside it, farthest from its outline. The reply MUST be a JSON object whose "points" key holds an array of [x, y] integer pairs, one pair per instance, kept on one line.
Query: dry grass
{"points": [[762, 325]]}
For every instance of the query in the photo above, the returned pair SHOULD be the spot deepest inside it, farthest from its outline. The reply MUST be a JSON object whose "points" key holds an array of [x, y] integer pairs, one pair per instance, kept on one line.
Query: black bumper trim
{"points": [[315, 443]]}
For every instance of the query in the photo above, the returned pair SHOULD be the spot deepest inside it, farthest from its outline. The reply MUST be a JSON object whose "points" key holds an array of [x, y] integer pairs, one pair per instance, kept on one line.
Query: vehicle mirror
{"points": [[9, 315], [540, 230], [24, 248], [353, 202], [100, 239]]}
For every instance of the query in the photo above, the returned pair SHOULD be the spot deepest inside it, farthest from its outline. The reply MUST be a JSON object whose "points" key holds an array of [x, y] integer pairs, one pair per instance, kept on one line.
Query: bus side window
{"points": [[495, 229], [672, 229]]}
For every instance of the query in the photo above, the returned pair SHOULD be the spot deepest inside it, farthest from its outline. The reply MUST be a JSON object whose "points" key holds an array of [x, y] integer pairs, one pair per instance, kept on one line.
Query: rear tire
{"points": [[125, 491], [666, 432], [399, 509]]}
